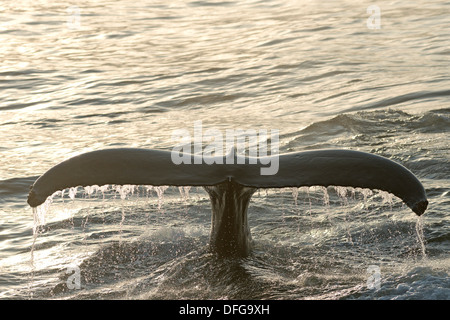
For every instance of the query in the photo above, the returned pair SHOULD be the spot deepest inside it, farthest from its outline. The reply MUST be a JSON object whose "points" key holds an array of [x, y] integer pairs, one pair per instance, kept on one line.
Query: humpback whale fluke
{"points": [[231, 185]]}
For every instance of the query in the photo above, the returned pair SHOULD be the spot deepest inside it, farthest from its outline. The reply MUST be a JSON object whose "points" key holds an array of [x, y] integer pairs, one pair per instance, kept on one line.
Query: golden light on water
{"points": [[77, 77]]}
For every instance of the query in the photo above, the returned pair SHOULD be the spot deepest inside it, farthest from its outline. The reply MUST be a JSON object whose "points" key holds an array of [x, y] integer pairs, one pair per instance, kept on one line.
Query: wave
{"points": [[378, 121], [388, 102], [418, 141], [16, 186]]}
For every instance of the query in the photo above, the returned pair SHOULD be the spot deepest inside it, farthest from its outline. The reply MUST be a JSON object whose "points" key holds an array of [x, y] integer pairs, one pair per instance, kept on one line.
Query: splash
{"points": [[387, 198], [123, 192], [366, 193]]}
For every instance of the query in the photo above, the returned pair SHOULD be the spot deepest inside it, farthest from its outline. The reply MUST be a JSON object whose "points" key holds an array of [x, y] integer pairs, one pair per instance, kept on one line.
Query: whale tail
{"points": [[230, 181]]}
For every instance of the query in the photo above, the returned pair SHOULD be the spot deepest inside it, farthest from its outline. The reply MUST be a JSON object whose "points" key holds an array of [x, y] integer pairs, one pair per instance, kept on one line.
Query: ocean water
{"points": [[326, 74]]}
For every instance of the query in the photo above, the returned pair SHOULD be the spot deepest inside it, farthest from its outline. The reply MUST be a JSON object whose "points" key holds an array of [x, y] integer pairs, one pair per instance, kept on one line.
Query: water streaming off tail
{"points": [[345, 196], [184, 192], [341, 231], [420, 235]]}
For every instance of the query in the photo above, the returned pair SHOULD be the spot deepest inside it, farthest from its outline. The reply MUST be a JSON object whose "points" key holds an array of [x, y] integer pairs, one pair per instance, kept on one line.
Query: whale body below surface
{"points": [[231, 184]]}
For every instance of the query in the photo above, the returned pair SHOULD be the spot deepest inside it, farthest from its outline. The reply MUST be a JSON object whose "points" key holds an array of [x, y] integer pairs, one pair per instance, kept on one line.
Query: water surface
{"points": [[129, 73]]}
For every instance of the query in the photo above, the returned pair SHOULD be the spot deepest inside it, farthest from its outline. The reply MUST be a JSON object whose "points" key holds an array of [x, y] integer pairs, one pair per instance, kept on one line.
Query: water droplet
{"points": [[184, 192], [326, 196], [73, 192], [295, 194], [160, 192]]}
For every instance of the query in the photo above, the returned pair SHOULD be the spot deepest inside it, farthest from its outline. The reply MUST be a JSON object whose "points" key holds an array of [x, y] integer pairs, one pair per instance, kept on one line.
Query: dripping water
{"points": [[343, 193], [73, 193], [366, 193], [184, 192], [39, 215], [326, 196], [160, 192], [124, 191], [420, 235], [295, 195], [297, 209]]}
